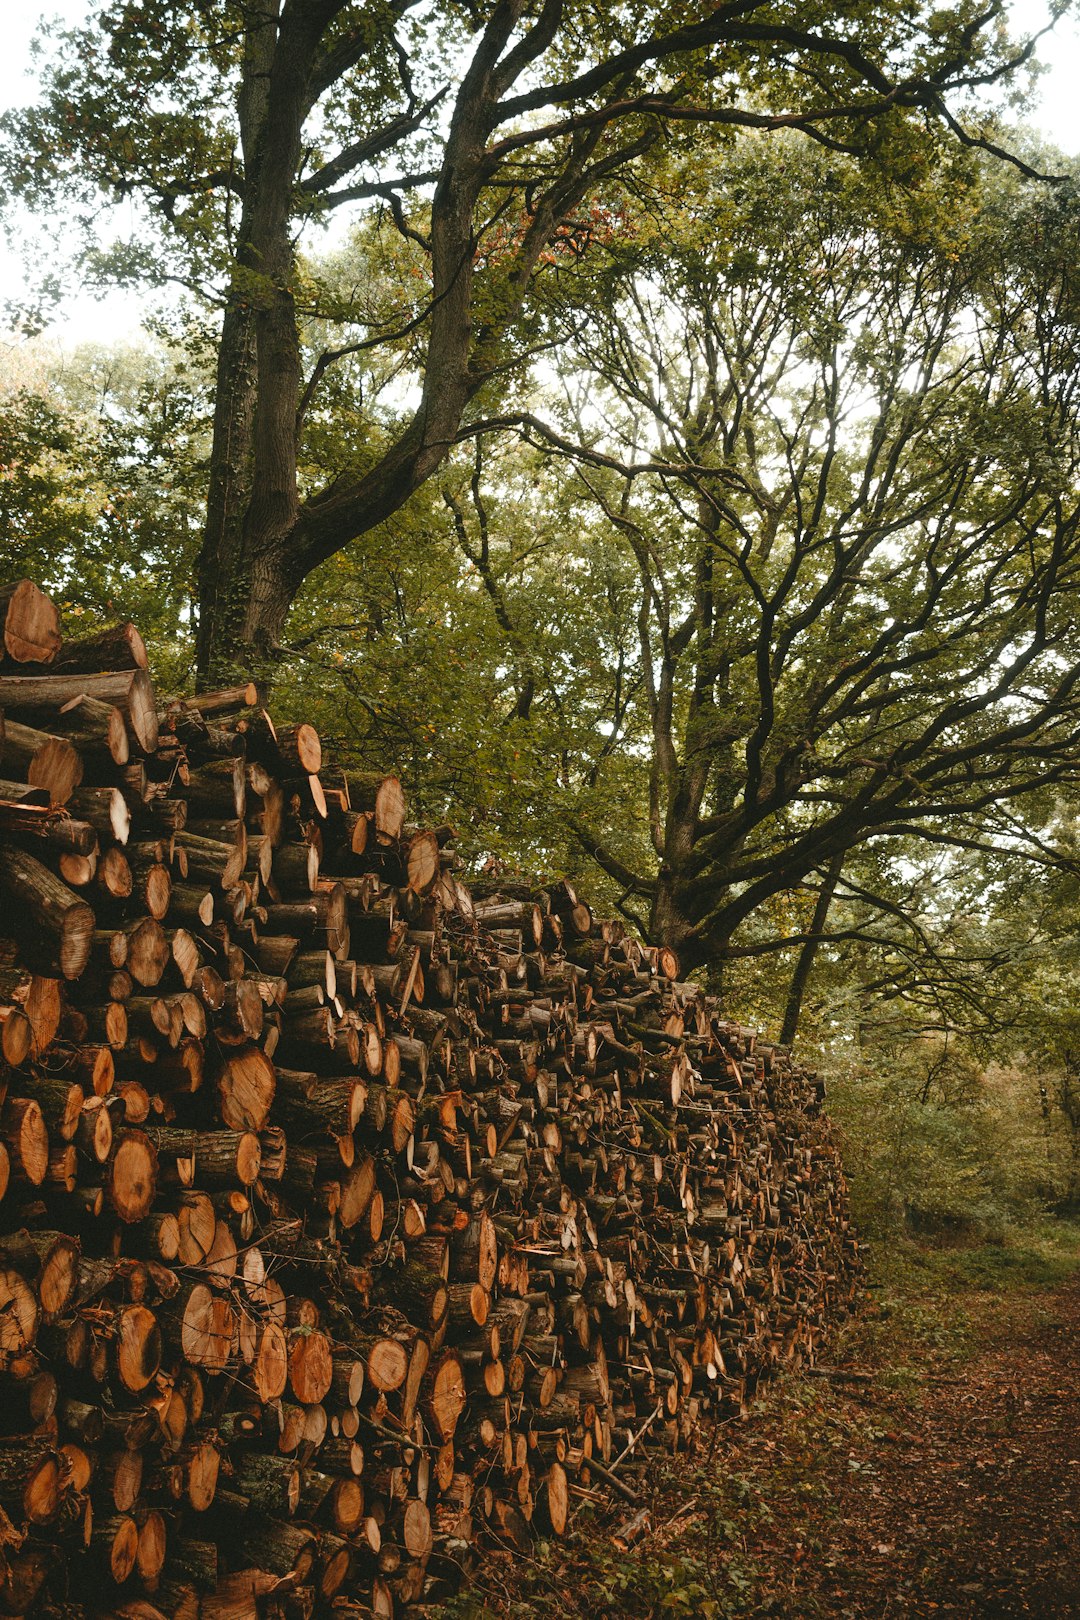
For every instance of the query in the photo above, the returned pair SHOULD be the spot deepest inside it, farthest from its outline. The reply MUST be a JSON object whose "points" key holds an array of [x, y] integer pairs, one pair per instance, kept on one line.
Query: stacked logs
{"points": [[349, 1214]]}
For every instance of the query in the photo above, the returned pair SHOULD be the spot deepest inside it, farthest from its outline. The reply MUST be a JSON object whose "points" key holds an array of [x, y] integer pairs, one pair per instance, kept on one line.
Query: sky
{"points": [[117, 316]]}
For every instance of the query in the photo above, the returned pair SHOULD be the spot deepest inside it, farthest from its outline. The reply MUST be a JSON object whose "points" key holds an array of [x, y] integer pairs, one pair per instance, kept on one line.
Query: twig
{"points": [[687, 1507], [632, 1442], [611, 1480], [398, 1439]]}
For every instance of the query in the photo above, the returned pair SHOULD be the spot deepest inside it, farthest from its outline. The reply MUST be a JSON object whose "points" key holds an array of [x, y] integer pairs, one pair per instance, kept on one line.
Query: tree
{"points": [[489, 136], [479, 680], [837, 429]]}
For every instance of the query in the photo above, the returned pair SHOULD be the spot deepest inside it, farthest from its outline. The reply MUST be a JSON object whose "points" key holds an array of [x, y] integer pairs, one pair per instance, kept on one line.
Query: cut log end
{"points": [[133, 1176], [138, 1351], [31, 624]]}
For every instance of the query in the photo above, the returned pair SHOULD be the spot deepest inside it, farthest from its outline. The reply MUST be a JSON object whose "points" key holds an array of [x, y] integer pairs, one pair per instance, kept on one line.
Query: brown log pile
{"points": [[349, 1213]]}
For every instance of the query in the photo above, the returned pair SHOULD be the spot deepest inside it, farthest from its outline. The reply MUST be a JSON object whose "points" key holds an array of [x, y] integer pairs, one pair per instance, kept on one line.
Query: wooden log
{"points": [[138, 1348], [29, 623], [421, 861], [246, 1089], [23, 1128], [311, 1366], [446, 1396], [94, 1068], [151, 887], [49, 1260], [31, 1399], [130, 690], [19, 1315], [39, 998], [474, 1252], [211, 861], [94, 1132], [113, 875], [382, 796], [224, 701], [146, 950], [166, 815], [61, 1104], [30, 1480], [115, 1542], [208, 1328], [385, 1360], [26, 818], [105, 809], [218, 789], [150, 1555], [132, 1176], [185, 954], [76, 870], [281, 1549], [191, 907], [118, 646], [16, 1035], [296, 869], [95, 728], [219, 1158], [42, 760], [52, 923]]}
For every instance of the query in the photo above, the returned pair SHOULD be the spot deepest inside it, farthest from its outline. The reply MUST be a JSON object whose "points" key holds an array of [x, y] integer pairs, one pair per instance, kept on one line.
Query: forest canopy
{"points": [[482, 146]]}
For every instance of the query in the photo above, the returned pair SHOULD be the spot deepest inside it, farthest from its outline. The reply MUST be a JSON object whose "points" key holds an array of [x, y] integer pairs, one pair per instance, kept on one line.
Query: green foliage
{"points": [[493, 145], [813, 456], [938, 1145], [420, 676], [104, 456]]}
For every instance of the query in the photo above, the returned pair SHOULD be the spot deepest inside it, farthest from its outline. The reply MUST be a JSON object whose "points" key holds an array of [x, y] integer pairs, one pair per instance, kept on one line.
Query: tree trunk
{"points": [[258, 366], [670, 924], [259, 545], [221, 607]]}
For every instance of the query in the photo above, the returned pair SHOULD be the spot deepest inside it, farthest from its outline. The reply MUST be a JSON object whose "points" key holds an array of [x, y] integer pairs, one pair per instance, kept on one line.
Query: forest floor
{"points": [[943, 1479]]}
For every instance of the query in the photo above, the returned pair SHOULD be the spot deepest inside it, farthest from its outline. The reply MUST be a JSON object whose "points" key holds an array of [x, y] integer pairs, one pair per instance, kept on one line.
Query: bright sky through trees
{"points": [[117, 315]]}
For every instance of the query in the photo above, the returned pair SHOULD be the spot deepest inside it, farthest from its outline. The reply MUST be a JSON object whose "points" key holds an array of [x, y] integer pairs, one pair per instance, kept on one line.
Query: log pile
{"points": [[348, 1214]]}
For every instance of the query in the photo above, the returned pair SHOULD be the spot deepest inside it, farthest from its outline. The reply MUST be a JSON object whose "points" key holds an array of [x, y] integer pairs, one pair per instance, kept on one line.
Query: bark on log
{"points": [[42, 760], [118, 646]]}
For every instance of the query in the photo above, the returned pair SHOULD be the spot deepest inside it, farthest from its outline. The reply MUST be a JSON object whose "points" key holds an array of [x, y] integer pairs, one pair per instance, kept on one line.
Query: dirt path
{"points": [[958, 1497]]}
